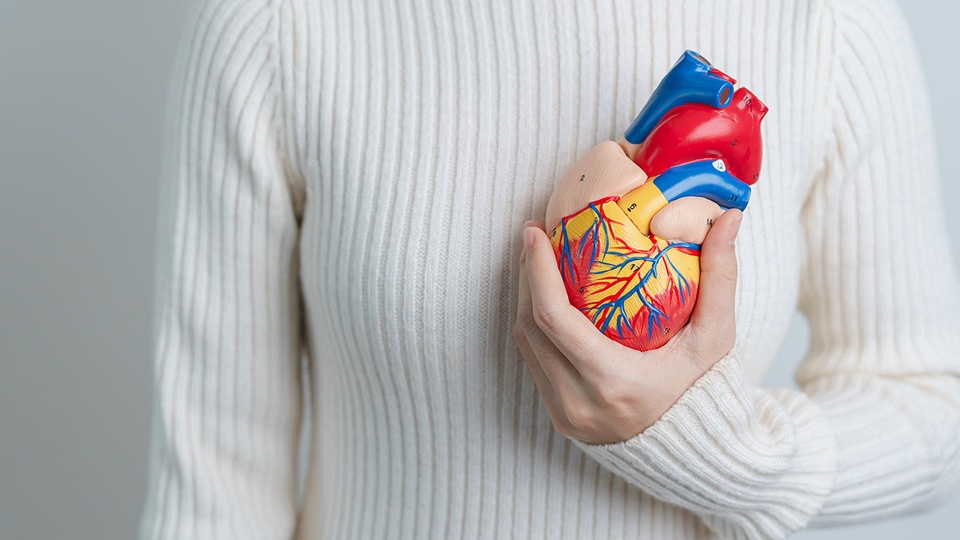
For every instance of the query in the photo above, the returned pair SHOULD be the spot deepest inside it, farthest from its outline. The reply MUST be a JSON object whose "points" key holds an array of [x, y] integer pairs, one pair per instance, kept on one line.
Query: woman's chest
{"points": [[440, 132]]}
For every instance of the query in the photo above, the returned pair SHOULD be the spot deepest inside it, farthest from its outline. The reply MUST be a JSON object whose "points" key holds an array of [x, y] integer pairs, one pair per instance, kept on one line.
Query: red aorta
{"points": [[694, 132]]}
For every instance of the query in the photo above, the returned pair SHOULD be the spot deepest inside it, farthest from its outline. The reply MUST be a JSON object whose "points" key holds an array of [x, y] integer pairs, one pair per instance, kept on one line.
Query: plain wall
{"points": [[82, 96], [83, 86]]}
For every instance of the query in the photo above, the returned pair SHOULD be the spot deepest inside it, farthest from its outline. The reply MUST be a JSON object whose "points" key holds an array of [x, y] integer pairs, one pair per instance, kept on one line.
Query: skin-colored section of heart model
{"points": [[687, 219], [604, 171]]}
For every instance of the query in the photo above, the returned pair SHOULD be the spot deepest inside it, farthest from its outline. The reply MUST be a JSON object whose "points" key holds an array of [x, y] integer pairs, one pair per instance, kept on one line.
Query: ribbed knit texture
{"points": [[343, 199]]}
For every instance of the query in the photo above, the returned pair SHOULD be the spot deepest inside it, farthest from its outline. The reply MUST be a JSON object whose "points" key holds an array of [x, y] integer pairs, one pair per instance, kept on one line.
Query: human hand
{"points": [[595, 389]]}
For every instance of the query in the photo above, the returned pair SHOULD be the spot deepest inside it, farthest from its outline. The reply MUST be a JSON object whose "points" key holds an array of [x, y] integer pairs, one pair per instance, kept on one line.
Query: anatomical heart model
{"points": [[695, 137]]}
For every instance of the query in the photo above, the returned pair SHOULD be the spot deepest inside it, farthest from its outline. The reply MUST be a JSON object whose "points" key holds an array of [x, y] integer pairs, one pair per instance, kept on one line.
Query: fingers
{"points": [[572, 333], [522, 328], [602, 172], [559, 377], [712, 324], [687, 219], [543, 357], [547, 392]]}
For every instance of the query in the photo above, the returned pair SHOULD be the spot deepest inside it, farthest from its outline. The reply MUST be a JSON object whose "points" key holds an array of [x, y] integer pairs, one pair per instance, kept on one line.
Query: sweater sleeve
{"points": [[875, 429], [227, 345]]}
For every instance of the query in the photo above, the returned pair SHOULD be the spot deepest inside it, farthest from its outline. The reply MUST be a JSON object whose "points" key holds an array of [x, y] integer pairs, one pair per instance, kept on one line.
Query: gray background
{"points": [[82, 95]]}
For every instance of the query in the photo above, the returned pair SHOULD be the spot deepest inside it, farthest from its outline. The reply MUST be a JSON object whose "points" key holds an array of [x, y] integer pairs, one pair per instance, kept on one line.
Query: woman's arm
{"points": [[227, 343], [880, 285]]}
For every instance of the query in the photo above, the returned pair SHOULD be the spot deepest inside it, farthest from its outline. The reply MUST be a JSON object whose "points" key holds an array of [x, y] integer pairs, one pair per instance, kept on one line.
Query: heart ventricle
{"points": [[637, 289]]}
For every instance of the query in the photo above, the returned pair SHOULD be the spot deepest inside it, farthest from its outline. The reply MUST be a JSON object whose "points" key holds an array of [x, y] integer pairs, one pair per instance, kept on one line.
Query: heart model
{"points": [[695, 137]]}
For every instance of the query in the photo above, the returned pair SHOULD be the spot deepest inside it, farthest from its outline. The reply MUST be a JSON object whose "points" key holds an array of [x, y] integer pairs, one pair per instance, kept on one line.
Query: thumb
{"points": [[713, 315]]}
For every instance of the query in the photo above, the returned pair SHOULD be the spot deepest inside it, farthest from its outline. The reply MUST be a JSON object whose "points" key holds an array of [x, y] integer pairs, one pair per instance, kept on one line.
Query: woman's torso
{"points": [[427, 132]]}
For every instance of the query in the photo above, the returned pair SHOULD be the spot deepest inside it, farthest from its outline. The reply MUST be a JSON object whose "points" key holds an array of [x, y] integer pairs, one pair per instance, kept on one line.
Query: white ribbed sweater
{"points": [[346, 183]]}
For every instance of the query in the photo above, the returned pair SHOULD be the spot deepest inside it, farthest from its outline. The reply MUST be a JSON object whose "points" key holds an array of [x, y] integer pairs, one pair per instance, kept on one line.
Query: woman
{"points": [[346, 181]]}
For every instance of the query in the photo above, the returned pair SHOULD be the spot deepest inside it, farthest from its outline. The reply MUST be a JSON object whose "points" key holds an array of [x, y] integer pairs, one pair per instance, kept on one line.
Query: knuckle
{"points": [[620, 400], [729, 271], [724, 269], [525, 325], [529, 328], [611, 396], [721, 262], [558, 418], [547, 317], [563, 428], [579, 416]]}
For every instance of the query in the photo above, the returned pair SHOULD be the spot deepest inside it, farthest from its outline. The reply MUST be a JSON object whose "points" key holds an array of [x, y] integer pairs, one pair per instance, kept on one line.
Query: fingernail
{"points": [[734, 226], [529, 223], [529, 236]]}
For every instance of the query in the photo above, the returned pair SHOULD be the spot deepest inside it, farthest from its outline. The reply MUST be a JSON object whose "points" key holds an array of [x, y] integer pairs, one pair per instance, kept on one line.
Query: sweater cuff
{"points": [[751, 463]]}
